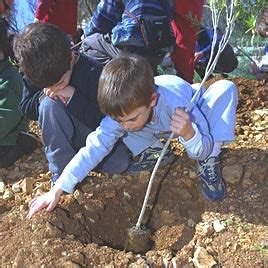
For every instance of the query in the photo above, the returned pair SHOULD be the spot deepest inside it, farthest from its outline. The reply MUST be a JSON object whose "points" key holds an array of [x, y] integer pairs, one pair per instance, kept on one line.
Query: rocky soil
{"points": [[89, 227]]}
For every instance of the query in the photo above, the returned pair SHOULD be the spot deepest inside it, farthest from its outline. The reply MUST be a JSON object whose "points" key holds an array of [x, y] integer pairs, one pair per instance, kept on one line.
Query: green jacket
{"points": [[11, 121]]}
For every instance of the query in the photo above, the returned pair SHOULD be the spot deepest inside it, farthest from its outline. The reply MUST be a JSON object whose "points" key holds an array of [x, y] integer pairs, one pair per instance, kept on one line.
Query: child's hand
{"points": [[198, 56], [64, 94], [181, 124], [49, 200]]}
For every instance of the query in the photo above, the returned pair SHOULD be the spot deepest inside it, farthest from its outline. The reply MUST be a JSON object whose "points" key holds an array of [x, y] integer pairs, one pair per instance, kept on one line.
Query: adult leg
{"points": [[99, 47], [185, 33], [227, 61]]}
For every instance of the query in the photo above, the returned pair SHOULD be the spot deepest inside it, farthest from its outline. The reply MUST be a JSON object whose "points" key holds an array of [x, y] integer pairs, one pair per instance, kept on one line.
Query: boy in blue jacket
{"points": [[141, 109], [60, 91]]}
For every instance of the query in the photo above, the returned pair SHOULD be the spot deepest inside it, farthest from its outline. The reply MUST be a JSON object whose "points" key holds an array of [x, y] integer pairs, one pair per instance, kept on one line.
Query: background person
{"points": [[115, 28], [186, 15], [227, 60], [14, 139], [59, 12]]}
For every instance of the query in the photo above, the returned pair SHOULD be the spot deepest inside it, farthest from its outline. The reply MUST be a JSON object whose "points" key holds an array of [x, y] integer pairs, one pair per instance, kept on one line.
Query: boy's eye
{"points": [[133, 119]]}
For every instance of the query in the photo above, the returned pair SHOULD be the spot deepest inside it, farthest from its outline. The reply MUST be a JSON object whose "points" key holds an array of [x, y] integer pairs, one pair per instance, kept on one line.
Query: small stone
{"points": [[116, 176], [79, 196], [126, 194], [39, 192], [202, 259], [204, 229], [70, 264], [24, 207], [3, 172], [232, 174], [27, 185], [168, 217], [218, 226], [52, 231], [192, 174], [246, 183], [16, 187], [18, 200], [8, 195], [2, 187], [258, 137], [232, 208], [144, 176], [247, 174], [184, 194], [191, 223], [110, 194]]}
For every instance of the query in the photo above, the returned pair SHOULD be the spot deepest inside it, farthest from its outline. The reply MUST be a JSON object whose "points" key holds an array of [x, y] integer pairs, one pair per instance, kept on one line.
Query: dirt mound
{"points": [[88, 228]]}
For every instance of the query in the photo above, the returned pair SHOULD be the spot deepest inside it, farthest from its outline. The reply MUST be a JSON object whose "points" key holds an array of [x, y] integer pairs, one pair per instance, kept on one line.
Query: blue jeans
{"points": [[63, 135]]}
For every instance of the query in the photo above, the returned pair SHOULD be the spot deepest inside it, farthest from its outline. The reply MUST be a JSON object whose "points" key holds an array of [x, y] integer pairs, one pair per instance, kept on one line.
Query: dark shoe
{"points": [[148, 159], [212, 184], [27, 142], [9, 155]]}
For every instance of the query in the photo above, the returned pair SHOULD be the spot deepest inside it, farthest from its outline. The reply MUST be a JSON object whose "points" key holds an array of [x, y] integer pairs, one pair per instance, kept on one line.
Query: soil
{"points": [[89, 227]]}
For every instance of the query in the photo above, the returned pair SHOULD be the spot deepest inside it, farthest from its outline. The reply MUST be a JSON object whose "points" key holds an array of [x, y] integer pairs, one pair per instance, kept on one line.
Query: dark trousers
{"points": [[227, 62], [63, 135], [100, 47]]}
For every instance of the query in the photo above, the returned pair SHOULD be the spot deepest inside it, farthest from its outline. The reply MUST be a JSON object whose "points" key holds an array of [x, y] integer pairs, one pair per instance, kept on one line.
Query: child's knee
{"points": [[225, 88], [48, 105]]}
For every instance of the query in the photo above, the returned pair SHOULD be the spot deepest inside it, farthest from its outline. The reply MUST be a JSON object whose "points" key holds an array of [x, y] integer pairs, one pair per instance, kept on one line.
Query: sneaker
{"points": [[148, 159], [9, 155], [212, 184], [26, 143]]}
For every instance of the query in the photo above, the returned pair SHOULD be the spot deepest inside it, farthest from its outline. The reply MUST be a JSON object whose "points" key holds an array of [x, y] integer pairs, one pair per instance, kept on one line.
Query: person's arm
{"points": [[198, 145], [98, 144], [206, 38], [41, 10], [193, 129], [30, 100], [106, 16], [85, 95]]}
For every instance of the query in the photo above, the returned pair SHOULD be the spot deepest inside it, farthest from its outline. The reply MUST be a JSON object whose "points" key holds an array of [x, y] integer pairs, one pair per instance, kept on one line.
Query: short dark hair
{"points": [[3, 37], [261, 22], [43, 52], [126, 83]]}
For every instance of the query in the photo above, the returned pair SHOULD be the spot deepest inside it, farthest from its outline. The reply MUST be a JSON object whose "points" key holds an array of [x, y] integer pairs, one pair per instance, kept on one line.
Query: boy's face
{"points": [[65, 79], [64, 82], [139, 117]]}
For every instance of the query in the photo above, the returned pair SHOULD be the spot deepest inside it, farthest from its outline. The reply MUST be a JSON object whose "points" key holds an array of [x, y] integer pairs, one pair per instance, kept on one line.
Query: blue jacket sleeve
{"points": [[106, 16], [83, 104], [98, 144], [30, 100]]}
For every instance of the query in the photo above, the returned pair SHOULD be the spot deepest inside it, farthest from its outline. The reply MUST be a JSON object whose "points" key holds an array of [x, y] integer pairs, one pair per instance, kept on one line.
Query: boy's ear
{"points": [[153, 99]]}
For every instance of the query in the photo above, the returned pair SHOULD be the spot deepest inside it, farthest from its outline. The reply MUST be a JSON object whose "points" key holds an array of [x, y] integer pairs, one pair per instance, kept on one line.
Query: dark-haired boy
{"points": [[139, 109], [14, 139], [60, 91]]}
